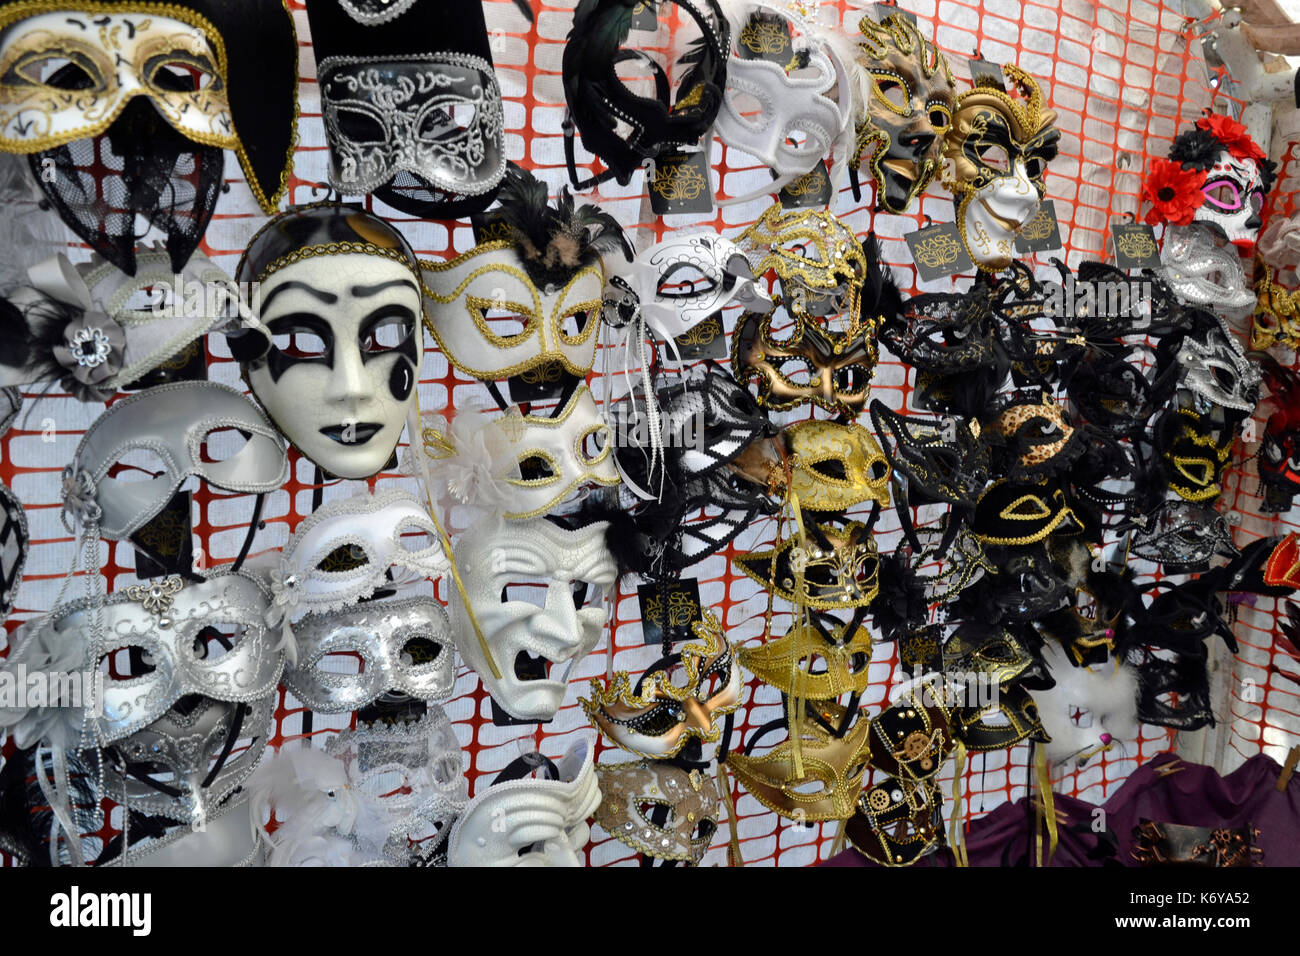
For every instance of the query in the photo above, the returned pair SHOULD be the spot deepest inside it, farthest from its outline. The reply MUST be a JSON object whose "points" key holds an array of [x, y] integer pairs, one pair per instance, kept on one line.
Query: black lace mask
{"points": [[140, 166], [624, 128], [411, 104], [1184, 537]]}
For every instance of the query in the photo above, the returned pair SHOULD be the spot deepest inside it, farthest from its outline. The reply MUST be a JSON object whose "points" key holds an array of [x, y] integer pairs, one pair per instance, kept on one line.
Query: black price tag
{"points": [[938, 251], [706, 340], [811, 190], [674, 603], [645, 16], [536, 384], [488, 226], [1135, 246], [1042, 233], [766, 36], [681, 184], [163, 546], [986, 69], [880, 12]]}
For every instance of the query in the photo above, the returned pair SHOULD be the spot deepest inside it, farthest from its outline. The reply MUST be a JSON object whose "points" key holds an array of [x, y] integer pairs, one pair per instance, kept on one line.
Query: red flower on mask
{"points": [[1174, 192], [1233, 135]]}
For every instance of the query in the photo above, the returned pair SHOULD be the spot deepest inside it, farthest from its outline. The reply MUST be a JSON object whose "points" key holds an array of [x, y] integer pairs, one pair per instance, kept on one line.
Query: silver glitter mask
{"points": [[437, 116], [1201, 273], [185, 763], [404, 646], [1218, 371], [162, 641]]}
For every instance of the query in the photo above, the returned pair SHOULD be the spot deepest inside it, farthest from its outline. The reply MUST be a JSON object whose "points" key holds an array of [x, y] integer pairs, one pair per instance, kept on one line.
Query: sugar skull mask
{"points": [[997, 152], [341, 296], [909, 112]]}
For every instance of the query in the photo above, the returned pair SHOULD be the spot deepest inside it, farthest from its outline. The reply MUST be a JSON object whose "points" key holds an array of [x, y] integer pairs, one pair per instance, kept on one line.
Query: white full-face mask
{"points": [[500, 564], [530, 822], [346, 348], [1090, 710], [802, 113], [678, 283]]}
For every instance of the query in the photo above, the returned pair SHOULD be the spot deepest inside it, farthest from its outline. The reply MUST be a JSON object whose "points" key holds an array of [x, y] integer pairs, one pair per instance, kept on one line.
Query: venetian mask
{"points": [[536, 591], [997, 151], [909, 111], [341, 297]]}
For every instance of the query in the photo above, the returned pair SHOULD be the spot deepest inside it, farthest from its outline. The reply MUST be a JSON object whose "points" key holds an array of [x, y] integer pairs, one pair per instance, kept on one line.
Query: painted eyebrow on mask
{"points": [[364, 291], [329, 298]]}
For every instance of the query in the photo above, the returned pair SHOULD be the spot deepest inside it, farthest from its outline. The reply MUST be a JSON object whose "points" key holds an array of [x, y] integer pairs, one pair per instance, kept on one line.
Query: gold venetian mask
{"points": [[909, 111], [997, 150]]}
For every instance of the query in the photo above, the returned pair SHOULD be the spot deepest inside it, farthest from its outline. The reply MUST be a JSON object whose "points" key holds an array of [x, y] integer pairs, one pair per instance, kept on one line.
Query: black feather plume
{"points": [[556, 241]]}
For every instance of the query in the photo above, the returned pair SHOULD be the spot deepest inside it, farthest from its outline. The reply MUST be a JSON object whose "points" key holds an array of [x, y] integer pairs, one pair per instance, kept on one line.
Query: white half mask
{"points": [[680, 282], [346, 349], [1089, 711], [556, 455], [1201, 273], [368, 531], [797, 102], [530, 822], [495, 558], [403, 646], [1234, 198], [493, 322]]}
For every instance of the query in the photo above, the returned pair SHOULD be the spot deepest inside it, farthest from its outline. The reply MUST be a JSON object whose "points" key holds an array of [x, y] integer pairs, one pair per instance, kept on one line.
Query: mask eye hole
{"points": [[1224, 194], [851, 379], [1257, 201], [525, 591], [420, 650], [995, 157], [593, 444], [504, 321], [797, 372], [940, 118], [73, 72], [535, 468], [893, 91], [216, 640], [441, 122], [684, 281], [298, 341], [126, 663], [575, 323], [830, 468], [222, 444], [656, 814], [358, 127], [180, 74], [341, 663], [387, 333], [1034, 167]]}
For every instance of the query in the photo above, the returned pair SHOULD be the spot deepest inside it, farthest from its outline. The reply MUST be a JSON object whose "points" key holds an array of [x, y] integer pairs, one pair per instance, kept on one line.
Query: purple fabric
{"points": [[1194, 795]]}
